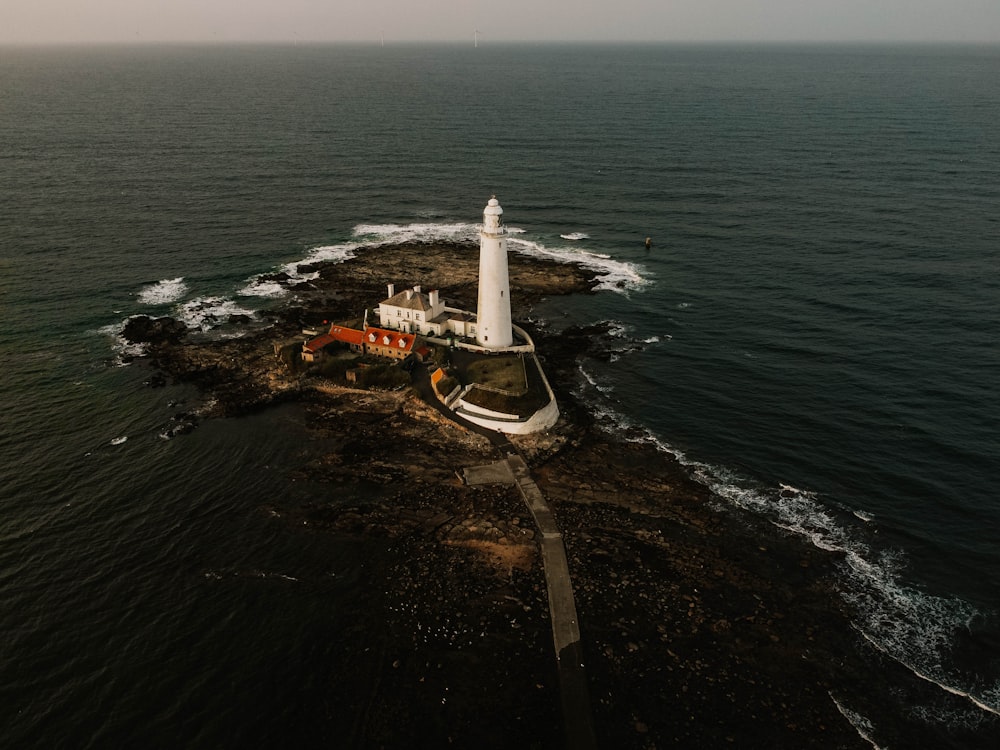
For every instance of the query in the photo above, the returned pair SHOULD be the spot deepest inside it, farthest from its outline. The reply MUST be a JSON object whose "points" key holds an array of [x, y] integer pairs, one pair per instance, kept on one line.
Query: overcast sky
{"points": [[46, 21]]}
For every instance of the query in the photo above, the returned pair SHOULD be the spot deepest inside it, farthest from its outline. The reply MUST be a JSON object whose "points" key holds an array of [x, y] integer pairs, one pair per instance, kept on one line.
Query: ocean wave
{"points": [[419, 232], [262, 287], [575, 236], [862, 725], [621, 340], [613, 275], [124, 350], [206, 313], [163, 292], [914, 628], [602, 388], [266, 285]]}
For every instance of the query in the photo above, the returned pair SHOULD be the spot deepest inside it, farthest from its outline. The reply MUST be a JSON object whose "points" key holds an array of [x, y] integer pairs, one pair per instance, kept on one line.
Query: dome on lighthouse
{"points": [[493, 208], [493, 217]]}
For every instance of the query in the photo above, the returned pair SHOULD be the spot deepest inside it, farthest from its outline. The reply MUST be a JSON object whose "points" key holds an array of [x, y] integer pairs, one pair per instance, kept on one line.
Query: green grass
{"points": [[523, 398], [505, 373]]}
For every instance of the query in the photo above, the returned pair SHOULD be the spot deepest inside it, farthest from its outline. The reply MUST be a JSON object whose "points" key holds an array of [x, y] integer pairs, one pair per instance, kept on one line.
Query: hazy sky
{"points": [[34, 21]]}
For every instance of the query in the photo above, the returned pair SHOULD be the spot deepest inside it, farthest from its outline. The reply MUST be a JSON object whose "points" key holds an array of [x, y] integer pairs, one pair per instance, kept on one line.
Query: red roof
{"points": [[314, 345], [347, 335], [395, 339]]}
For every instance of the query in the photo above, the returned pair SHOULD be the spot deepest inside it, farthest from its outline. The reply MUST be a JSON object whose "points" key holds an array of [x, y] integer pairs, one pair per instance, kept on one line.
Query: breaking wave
{"points": [[422, 232], [297, 272], [124, 350], [862, 725], [163, 292], [613, 275], [206, 313], [914, 628]]}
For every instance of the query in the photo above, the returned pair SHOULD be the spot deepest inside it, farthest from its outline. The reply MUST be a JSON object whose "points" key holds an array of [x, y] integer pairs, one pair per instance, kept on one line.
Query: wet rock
{"points": [[142, 329]]}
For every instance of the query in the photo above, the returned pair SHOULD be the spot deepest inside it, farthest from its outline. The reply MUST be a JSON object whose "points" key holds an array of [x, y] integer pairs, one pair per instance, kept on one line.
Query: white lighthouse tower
{"points": [[493, 324]]}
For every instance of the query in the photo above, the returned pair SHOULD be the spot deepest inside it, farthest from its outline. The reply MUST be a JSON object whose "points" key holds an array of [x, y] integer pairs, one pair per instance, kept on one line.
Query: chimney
{"points": [[417, 289], [409, 294], [392, 290], [434, 298]]}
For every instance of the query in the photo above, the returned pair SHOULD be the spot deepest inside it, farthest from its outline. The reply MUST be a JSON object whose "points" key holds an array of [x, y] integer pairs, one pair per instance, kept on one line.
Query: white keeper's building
{"points": [[424, 313]]}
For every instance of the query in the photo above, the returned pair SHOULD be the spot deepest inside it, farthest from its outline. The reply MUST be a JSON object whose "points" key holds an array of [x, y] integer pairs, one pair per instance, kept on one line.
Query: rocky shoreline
{"points": [[700, 628]]}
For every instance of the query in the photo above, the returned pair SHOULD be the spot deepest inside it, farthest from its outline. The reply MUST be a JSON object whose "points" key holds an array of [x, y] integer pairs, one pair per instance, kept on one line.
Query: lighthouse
{"points": [[493, 324]]}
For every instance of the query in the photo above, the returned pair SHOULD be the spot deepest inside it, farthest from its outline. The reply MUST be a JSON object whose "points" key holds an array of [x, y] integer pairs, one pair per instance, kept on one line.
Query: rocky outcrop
{"points": [[142, 329], [700, 628]]}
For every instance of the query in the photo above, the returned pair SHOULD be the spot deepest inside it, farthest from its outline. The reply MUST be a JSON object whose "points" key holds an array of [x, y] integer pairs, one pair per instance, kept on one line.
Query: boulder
{"points": [[142, 329]]}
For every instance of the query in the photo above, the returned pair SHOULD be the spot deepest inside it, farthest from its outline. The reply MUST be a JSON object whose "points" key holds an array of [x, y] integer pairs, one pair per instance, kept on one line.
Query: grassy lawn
{"points": [[504, 373], [518, 377]]}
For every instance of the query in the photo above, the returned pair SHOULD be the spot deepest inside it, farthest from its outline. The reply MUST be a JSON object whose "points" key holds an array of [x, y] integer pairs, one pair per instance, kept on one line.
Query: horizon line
{"points": [[296, 40]]}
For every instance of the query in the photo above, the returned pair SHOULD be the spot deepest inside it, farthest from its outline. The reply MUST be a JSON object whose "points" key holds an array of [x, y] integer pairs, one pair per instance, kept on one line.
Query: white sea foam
{"points": [[206, 313], [383, 233], [259, 287], [911, 626], [617, 329], [324, 254], [860, 723], [575, 236], [620, 329], [163, 292], [123, 349], [119, 440], [614, 275], [265, 286], [592, 381]]}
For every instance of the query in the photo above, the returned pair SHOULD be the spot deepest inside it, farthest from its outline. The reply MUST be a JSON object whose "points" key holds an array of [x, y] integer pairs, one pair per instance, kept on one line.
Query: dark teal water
{"points": [[816, 324]]}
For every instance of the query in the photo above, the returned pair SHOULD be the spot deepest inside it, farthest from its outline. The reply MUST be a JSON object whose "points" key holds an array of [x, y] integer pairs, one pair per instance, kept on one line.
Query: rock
{"points": [[279, 277], [145, 330]]}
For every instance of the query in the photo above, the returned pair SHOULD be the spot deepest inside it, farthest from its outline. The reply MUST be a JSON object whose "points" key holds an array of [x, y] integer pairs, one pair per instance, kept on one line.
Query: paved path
{"points": [[562, 610], [562, 606]]}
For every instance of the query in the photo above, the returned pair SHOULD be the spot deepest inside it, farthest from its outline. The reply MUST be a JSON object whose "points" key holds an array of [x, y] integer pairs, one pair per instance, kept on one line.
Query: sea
{"points": [[813, 331]]}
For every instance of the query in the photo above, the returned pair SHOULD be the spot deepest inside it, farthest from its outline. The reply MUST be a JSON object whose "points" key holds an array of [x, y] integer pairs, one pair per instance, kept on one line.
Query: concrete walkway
{"points": [[562, 605], [562, 611]]}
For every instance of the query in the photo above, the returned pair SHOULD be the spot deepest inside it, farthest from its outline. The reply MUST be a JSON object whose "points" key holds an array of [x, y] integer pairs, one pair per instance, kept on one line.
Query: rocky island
{"points": [[700, 627]]}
